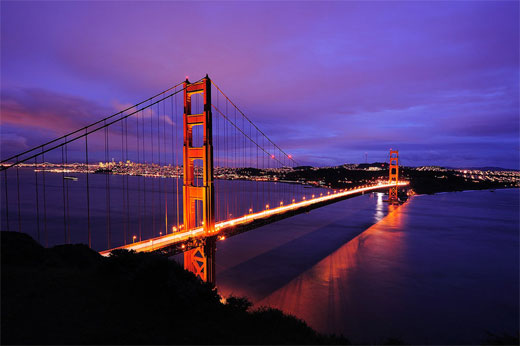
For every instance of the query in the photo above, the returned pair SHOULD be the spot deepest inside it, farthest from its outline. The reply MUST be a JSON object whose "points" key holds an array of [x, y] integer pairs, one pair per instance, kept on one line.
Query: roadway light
{"points": [[293, 200], [267, 206], [133, 239], [281, 203]]}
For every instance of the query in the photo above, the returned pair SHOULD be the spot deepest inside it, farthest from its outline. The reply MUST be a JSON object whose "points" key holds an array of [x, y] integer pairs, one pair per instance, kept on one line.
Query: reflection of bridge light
{"points": [[379, 208]]}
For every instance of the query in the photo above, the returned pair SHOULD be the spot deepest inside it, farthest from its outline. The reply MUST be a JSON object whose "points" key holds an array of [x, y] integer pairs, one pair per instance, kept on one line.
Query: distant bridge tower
{"points": [[393, 175], [200, 260]]}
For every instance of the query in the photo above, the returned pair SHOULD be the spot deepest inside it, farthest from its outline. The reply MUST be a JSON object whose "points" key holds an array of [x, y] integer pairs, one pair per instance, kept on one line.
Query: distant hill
{"points": [[487, 168]]}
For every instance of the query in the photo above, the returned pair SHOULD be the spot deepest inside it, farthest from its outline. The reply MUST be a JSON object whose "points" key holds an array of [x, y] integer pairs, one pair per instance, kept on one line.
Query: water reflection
{"points": [[379, 207], [324, 294], [441, 269]]}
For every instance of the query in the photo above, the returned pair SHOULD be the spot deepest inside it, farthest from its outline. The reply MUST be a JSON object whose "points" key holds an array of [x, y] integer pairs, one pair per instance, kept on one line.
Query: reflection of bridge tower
{"points": [[201, 259], [393, 175]]}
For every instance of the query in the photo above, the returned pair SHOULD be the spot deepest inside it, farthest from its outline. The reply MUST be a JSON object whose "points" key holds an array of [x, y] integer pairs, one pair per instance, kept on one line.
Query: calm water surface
{"points": [[439, 269]]}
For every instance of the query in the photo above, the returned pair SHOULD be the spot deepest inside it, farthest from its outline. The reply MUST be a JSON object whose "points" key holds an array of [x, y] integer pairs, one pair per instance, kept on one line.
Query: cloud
{"points": [[326, 81]]}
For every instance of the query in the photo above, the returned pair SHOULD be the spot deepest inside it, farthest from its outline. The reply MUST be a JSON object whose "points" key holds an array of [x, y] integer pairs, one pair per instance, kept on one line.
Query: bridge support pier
{"points": [[393, 176], [200, 260]]}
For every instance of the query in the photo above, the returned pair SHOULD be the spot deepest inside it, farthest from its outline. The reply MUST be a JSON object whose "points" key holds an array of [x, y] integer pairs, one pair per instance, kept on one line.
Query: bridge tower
{"points": [[393, 175], [201, 259]]}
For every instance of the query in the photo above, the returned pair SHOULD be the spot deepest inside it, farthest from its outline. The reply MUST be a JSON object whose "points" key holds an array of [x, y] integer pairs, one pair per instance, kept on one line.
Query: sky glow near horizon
{"points": [[327, 81]]}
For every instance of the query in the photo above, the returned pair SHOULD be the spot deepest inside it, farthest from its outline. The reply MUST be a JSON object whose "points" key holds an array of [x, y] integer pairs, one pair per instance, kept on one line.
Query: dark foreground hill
{"points": [[71, 295]]}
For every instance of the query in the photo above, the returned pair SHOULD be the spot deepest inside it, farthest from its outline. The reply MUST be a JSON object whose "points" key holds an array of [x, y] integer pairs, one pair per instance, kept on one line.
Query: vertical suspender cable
{"points": [[37, 199], [89, 235], [18, 188], [6, 201], [44, 201]]}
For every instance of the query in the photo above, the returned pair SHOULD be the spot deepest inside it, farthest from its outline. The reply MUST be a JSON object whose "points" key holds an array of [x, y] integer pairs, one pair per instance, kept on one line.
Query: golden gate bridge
{"points": [[176, 173]]}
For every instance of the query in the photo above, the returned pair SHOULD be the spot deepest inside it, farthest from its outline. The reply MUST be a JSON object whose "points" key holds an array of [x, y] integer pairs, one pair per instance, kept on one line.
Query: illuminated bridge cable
{"points": [[153, 180], [89, 235], [105, 124], [138, 140], [37, 199], [67, 187], [18, 189], [44, 201], [123, 190], [86, 127], [236, 128], [216, 86]]}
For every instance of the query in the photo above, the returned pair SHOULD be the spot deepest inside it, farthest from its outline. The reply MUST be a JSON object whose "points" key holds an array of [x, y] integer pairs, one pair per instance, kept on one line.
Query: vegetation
{"points": [[70, 294]]}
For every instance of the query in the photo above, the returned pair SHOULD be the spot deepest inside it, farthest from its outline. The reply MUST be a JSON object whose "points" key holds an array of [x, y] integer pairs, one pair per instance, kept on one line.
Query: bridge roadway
{"points": [[238, 225]]}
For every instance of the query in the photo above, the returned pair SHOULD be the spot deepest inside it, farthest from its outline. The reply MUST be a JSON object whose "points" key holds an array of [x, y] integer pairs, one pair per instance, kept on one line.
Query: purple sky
{"points": [[328, 81]]}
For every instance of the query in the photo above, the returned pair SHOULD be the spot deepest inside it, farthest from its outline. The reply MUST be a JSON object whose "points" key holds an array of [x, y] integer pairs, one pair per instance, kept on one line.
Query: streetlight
{"points": [[133, 239]]}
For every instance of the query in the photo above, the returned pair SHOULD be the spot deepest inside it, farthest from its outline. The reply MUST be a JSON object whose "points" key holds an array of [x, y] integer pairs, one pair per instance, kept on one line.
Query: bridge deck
{"points": [[169, 240]]}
